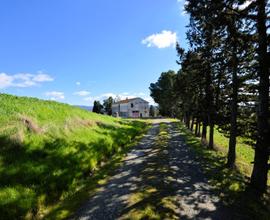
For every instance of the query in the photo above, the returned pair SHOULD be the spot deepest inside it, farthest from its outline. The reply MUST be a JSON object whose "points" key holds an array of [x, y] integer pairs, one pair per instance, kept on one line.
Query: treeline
{"points": [[105, 108], [223, 81]]}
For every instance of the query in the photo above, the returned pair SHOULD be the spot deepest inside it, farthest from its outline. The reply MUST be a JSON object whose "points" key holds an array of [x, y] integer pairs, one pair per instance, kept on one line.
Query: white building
{"points": [[131, 108]]}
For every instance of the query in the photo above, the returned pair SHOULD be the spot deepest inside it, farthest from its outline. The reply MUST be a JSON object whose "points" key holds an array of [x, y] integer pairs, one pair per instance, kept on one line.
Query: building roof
{"points": [[128, 100]]}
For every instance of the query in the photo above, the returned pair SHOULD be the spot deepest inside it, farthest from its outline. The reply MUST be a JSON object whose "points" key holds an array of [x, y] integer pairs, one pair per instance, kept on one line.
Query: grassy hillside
{"points": [[49, 149]]}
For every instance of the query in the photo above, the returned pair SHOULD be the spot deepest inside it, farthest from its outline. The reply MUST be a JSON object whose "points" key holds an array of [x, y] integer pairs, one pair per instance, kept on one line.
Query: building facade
{"points": [[131, 108]]}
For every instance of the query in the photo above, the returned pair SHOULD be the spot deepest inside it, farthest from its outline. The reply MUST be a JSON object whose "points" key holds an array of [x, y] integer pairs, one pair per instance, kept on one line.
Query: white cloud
{"points": [[89, 99], [54, 95], [121, 96], [150, 100], [100, 97], [161, 40], [41, 77], [5, 80], [78, 83], [107, 95], [23, 79], [82, 93]]}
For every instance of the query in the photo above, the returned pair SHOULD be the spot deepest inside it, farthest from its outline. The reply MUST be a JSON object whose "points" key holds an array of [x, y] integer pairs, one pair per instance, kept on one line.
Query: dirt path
{"points": [[156, 182]]}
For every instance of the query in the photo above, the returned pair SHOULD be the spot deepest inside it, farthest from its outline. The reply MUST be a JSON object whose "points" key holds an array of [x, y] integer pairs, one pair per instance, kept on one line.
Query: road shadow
{"points": [[158, 182]]}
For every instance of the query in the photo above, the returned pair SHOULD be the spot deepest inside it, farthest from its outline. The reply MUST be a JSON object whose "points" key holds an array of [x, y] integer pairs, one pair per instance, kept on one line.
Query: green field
{"points": [[49, 151], [230, 184], [244, 152]]}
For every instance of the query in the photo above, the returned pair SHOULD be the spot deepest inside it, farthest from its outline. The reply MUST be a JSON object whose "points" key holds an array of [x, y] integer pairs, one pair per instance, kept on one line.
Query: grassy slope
{"points": [[49, 150]]}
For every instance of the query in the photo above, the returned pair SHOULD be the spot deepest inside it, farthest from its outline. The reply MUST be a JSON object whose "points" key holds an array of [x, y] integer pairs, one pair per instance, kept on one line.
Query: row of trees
{"points": [[106, 107], [224, 78]]}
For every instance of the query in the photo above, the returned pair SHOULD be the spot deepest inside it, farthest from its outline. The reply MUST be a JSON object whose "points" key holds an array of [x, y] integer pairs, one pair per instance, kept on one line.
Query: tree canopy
{"points": [[98, 107], [223, 79]]}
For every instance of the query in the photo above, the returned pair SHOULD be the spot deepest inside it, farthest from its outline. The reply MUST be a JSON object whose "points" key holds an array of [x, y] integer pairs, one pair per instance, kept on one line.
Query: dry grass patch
{"points": [[30, 124]]}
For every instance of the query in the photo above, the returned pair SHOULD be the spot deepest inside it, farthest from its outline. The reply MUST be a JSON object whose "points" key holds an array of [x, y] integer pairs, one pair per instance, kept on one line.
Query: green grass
{"points": [[244, 152], [231, 184], [52, 155]]}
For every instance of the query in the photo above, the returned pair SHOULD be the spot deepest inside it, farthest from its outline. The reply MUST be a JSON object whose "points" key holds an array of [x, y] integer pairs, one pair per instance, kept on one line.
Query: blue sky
{"points": [[77, 51]]}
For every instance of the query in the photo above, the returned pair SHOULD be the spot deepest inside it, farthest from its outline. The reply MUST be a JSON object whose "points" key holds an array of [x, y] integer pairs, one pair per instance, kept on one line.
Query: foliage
{"points": [[163, 93], [107, 103], [152, 111], [98, 107], [224, 78]]}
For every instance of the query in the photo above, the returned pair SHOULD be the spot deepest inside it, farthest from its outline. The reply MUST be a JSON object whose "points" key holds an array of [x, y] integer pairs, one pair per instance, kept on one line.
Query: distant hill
{"points": [[49, 149], [85, 107]]}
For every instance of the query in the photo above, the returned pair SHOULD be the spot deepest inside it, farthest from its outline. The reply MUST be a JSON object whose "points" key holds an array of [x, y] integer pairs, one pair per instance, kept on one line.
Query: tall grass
{"points": [[49, 149]]}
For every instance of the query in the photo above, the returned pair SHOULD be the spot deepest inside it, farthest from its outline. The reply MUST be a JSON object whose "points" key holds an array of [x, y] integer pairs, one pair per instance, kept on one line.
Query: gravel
{"points": [[174, 171]]}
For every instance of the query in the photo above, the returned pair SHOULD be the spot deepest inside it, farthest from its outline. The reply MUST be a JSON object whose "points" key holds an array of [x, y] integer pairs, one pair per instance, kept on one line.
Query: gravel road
{"points": [[173, 171]]}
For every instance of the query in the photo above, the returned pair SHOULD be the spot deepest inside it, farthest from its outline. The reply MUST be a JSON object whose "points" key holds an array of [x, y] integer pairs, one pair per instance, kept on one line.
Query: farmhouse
{"points": [[131, 108]]}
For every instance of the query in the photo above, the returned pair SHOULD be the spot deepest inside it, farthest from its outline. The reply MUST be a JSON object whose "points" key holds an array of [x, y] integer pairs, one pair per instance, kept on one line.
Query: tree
{"points": [[262, 148], [229, 54], [152, 111], [107, 103], [244, 47], [188, 87], [204, 38], [97, 108], [163, 93]]}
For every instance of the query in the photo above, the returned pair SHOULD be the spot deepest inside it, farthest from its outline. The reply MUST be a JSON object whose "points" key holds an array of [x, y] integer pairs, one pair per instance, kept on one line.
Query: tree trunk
{"points": [[204, 130], [211, 135], [233, 129], [209, 105], [199, 130], [260, 169], [192, 124], [188, 121], [196, 127], [184, 118], [233, 133]]}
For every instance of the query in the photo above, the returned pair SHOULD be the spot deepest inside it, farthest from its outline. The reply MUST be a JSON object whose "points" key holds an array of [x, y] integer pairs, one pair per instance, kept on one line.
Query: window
{"points": [[132, 105]]}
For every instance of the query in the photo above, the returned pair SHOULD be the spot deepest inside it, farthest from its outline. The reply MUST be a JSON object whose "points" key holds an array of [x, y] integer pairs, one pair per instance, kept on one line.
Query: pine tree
{"points": [[152, 111], [262, 148], [107, 103], [163, 93], [97, 108]]}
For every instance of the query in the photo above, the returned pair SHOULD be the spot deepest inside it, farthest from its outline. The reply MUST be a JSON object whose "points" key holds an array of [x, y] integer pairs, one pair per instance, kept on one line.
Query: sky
{"points": [[78, 51]]}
